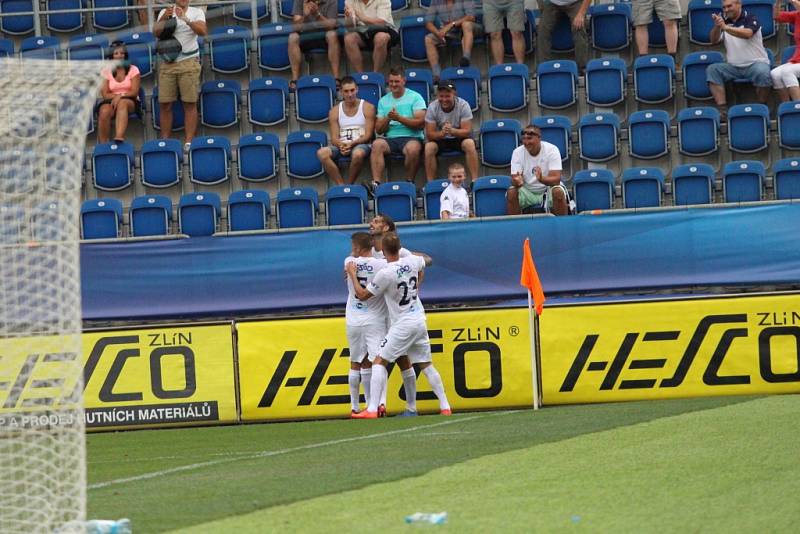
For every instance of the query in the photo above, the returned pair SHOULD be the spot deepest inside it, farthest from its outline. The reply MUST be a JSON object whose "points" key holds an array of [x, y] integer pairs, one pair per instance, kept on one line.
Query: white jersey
{"points": [[404, 252], [372, 310], [398, 282], [456, 201]]}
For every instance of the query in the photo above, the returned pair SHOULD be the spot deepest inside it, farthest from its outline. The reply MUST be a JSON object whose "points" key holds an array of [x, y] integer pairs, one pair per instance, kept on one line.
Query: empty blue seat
{"points": [[598, 137], [248, 210], [762, 11], [54, 179], [297, 207], [150, 215], [230, 49], [18, 24], [508, 87], [140, 50], [177, 112], [12, 220], [301, 153], [748, 128], [40, 47], [489, 195], [698, 131], [110, 20], [6, 48], [268, 98], [101, 218], [654, 78], [64, 22], [594, 189], [47, 221], [412, 39], [257, 156], [431, 198], [787, 53], [700, 21], [742, 181], [610, 26], [219, 103], [556, 130], [314, 97], [468, 83], [87, 47], [557, 84], [112, 166], [20, 178], [789, 125], [346, 204], [243, 10], [648, 134], [370, 86], [199, 214], [786, 174], [399, 5], [606, 79], [161, 162], [273, 46], [692, 183], [209, 158], [656, 36], [285, 8], [642, 187], [498, 139], [421, 81], [397, 200], [562, 36], [695, 86]]}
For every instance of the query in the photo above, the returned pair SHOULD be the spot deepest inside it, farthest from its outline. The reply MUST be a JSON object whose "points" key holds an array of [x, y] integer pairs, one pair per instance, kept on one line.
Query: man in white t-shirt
{"points": [[454, 201], [536, 176]]}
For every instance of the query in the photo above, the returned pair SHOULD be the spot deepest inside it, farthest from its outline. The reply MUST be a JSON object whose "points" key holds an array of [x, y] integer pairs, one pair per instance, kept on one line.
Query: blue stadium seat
{"points": [[297, 207], [642, 187], [150, 215], [219, 103], [412, 39], [46, 221], [557, 84], [20, 24], [468, 83], [370, 86], [399, 5], [87, 47], [243, 10], [199, 214], [489, 195], [40, 47], [748, 128], [598, 137], [248, 210], [257, 156], [610, 26], [700, 22], [346, 204], [397, 200], [112, 166], [692, 183], [177, 112], [656, 36], [421, 81], [273, 46], [64, 22], [742, 181], [786, 174], [557, 130], [301, 153], [54, 180], [508, 87], [285, 8], [6, 48], [140, 50], [314, 98], [654, 78], [12, 219], [695, 86], [431, 198], [110, 20], [789, 125], [20, 178], [698, 131], [101, 218], [787, 53], [606, 80], [161, 162], [594, 189], [762, 11], [648, 134], [498, 139], [230, 49], [268, 99], [209, 159]]}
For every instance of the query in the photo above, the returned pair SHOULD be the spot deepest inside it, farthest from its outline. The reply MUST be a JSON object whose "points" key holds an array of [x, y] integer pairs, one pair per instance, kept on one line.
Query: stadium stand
{"points": [[397, 200], [112, 166], [598, 137], [268, 100], [161, 163], [786, 176], [468, 83], [693, 184], [606, 81], [101, 218], [594, 189], [301, 153], [219, 103], [257, 157], [297, 207], [421, 81], [489, 195], [743, 181], [209, 159], [248, 210], [346, 204], [370, 86], [610, 26], [642, 187], [557, 84], [150, 216], [508, 87], [498, 139], [64, 22], [557, 130], [199, 214]]}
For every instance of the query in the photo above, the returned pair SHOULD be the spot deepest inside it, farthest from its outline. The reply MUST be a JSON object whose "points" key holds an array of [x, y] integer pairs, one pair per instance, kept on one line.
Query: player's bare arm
{"points": [[361, 292]]}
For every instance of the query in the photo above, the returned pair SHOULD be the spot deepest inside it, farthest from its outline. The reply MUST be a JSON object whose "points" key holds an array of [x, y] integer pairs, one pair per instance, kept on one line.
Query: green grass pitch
{"points": [[716, 464]]}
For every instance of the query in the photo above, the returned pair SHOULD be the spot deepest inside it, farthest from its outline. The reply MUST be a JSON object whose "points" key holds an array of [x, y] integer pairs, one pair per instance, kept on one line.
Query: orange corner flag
{"points": [[530, 278]]}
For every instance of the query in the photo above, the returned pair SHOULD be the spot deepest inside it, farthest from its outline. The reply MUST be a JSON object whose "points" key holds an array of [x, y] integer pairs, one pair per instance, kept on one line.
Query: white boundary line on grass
{"points": [[266, 454]]}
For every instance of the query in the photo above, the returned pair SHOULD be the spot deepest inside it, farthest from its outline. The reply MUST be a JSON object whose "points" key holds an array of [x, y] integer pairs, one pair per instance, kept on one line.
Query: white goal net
{"points": [[45, 107]]}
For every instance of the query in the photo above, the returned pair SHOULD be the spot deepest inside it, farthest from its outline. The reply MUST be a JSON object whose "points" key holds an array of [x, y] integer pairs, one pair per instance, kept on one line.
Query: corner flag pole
{"points": [[529, 278]]}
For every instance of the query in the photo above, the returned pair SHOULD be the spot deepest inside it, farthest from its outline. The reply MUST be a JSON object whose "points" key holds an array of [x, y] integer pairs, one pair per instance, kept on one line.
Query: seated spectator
{"points": [[120, 92], [369, 25], [551, 11], [454, 201], [449, 21], [746, 55], [536, 176], [499, 14], [669, 12], [401, 117], [314, 28], [448, 127], [352, 124], [784, 78]]}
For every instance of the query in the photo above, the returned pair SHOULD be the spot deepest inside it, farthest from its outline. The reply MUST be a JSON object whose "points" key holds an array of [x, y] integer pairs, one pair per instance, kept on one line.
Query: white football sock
{"points": [[385, 386], [410, 385], [354, 380], [366, 378], [379, 376], [435, 380]]}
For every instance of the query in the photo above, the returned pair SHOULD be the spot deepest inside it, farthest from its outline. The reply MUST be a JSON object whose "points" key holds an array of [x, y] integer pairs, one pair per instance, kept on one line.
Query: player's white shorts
{"points": [[407, 339], [364, 340]]}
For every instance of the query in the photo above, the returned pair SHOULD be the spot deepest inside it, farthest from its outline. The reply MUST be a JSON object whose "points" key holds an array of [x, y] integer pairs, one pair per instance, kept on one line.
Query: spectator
{"points": [[513, 11], [370, 25], [144, 15], [746, 55], [784, 78], [352, 124], [448, 127], [181, 78], [551, 11], [454, 201], [120, 92], [669, 12], [401, 117], [536, 176], [314, 27], [450, 20]]}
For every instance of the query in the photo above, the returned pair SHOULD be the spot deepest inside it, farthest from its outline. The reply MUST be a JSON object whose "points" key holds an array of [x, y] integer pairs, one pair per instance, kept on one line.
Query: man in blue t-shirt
{"points": [[401, 119]]}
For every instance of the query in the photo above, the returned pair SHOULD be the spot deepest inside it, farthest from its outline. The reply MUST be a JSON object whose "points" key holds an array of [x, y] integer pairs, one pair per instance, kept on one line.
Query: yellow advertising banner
{"points": [[297, 369], [670, 349]]}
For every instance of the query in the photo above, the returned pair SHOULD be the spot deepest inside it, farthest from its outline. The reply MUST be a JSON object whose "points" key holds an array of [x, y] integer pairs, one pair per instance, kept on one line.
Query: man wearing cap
{"points": [[536, 176], [448, 128]]}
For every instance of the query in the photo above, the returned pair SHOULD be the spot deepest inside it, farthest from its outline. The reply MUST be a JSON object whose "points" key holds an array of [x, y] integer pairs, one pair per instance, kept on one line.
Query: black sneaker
{"points": [[464, 62], [372, 187]]}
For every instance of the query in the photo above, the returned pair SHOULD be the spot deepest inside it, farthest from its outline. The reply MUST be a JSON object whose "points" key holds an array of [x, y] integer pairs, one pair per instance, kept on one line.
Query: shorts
{"points": [[665, 9], [757, 73], [364, 340], [449, 145], [513, 11], [406, 338], [313, 41], [137, 105], [455, 35], [368, 35], [397, 144], [336, 153], [179, 80], [531, 199]]}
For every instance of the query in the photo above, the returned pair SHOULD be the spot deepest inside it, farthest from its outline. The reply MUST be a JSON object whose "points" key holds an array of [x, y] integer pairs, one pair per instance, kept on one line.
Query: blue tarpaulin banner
{"points": [[475, 260]]}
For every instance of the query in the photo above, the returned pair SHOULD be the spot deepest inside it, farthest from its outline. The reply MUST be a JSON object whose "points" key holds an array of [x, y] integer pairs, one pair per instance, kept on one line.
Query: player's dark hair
{"points": [[397, 70], [362, 240], [346, 80], [391, 244], [389, 222]]}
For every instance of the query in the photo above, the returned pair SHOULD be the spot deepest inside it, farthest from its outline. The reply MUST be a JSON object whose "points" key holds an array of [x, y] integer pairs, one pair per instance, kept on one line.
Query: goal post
{"points": [[45, 108]]}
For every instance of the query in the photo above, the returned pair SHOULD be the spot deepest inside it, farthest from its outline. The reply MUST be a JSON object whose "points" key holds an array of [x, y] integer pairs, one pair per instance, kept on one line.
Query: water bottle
{"points": [[108, 526], [433, 519]]}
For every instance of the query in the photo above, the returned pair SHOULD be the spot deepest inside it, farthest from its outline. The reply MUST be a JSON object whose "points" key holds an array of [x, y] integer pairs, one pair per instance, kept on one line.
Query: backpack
{"points": [[168, 48]]}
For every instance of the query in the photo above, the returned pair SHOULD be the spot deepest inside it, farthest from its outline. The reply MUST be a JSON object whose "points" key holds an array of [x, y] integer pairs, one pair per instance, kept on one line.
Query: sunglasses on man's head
{"points": [[531, 134]]}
